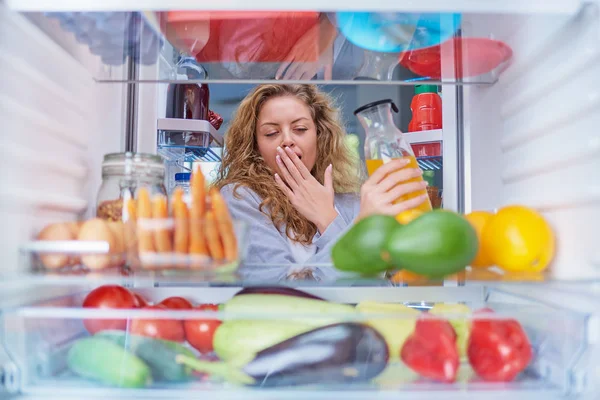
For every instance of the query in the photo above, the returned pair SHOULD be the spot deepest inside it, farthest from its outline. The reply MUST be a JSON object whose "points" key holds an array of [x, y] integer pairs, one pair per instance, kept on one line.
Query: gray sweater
{"points": [[269, 245]]}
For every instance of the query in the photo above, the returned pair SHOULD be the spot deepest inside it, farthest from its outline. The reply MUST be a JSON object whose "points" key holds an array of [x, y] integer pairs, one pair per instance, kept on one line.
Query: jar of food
{"points": [[122, 175]]}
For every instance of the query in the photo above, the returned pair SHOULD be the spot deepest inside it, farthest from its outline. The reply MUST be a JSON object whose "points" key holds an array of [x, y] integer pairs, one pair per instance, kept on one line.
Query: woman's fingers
{"points": [[408, 204], [396, 178], [304, 172], [402, 190], [287, 177], [385, 169], [289, 164], [283, 186]]}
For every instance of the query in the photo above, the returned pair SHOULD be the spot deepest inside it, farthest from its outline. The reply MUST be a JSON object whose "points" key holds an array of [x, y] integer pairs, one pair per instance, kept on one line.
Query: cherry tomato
{"points": [[140, 300], [108, 296], [498, 350], [177, 303], [166, 329], [200, 332], [431, 350]]}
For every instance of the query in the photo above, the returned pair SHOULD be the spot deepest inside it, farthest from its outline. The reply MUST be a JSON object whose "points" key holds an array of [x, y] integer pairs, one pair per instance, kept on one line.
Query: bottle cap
{"points": [[419, 89], [182, 176]]}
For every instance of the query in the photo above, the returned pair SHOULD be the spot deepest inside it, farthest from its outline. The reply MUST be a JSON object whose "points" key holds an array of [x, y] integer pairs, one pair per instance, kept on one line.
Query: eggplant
{"points": [[334, 354], [282, 290]]}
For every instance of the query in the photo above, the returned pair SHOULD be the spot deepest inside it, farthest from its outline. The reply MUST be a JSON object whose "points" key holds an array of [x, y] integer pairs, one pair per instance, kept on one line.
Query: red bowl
{"points": [[474, 57]]}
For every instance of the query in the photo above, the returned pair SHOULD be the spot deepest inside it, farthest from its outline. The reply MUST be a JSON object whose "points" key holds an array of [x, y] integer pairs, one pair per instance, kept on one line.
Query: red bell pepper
{"points": [[498, 349], [431, 350]]}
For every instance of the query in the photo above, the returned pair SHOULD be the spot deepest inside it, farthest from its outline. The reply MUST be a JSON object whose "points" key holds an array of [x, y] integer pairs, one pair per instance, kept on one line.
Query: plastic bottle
{"points": [[426, 107], [384, 142]]}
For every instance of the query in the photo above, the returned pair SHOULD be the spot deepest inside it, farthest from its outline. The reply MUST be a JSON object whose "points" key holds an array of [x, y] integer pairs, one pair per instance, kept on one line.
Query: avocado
{"points": [[363, 248], [436, 244]]}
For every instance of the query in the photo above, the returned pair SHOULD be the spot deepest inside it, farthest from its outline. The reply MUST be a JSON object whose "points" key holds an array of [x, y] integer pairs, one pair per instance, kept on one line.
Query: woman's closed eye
{"points": [[301, 129], [271, 134]]}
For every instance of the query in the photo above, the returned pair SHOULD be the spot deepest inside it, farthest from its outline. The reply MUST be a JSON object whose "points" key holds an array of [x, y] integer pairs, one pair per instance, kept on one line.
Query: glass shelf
{"points": [[376, 48]]}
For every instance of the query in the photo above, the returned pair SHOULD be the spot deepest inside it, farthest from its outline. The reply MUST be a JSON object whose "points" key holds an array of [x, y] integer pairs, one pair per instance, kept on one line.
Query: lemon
{"points": [[518, 239]]}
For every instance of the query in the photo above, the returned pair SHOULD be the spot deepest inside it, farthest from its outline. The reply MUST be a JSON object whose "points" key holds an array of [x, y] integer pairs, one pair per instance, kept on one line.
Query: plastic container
{"points": [[384, 142], [43, 334], [426, 108], [122, 175]]}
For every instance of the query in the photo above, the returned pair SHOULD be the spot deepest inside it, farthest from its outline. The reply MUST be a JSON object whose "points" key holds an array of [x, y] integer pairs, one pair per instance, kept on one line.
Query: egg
{"points": [[97, 230], [56, 232]]}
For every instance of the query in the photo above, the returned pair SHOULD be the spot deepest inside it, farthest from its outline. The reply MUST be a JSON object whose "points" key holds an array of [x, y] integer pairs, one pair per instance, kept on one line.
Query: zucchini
{"points": [[104, 361], [318, 312], [236, 338], [158, 354]]}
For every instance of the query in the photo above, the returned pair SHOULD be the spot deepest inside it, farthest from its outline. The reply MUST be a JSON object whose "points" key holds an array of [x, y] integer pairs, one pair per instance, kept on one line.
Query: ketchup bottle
{"points": [[426, 107]]}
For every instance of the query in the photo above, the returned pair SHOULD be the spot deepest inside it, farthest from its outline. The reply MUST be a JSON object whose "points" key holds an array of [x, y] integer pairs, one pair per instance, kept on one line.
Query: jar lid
{"points": [[134, 163], [375, 104], [183, 176]]}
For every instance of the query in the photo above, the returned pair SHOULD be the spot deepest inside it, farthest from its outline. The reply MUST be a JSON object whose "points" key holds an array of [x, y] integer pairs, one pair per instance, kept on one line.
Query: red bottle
{"points": [[426, 108]]}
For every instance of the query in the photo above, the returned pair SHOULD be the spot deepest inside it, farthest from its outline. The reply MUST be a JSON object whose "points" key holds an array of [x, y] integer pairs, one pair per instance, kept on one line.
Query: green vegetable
{"points": [[363, 248], [235, 338], [158, 354], [462, 326], [298, 309], [104, 361], [436, 244]]}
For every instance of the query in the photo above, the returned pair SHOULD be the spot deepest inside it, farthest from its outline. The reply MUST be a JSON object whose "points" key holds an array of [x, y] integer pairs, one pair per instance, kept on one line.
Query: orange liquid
{"points": [[372, 166]]}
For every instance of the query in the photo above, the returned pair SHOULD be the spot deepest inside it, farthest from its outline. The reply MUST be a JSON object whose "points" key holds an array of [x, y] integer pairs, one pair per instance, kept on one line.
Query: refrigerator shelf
{"points": [[38, 337], [244, 46]]}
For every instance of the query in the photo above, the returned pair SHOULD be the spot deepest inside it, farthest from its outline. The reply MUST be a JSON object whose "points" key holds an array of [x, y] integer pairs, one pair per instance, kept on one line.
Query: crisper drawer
{"points": [[282, 346]]}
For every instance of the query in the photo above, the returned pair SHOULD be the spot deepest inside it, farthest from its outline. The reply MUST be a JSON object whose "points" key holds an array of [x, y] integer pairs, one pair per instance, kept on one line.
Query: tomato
{"points": [[177, 303], [166, 329], [431, 350], [108, 296], [141, 302], [498, 350], [200, 332]]}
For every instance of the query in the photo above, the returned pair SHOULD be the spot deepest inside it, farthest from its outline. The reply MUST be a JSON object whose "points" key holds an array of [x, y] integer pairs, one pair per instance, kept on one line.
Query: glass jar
{"points": [[122, 175]]}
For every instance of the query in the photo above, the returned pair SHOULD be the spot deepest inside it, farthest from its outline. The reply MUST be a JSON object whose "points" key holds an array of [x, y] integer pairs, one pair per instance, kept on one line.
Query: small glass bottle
{"points": [[122, 175], [182, 180]]}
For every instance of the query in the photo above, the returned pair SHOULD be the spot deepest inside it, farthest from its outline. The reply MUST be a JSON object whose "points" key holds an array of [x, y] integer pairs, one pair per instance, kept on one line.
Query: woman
{"points": [[287, 172]]}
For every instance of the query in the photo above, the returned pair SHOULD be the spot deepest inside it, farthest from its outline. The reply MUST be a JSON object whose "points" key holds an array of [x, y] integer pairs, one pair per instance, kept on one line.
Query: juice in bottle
{"points": [[384, 142]]}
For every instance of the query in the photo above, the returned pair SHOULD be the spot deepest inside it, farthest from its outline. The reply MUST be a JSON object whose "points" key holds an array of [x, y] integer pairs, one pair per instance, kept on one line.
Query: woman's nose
{"points": [[287, 140]]}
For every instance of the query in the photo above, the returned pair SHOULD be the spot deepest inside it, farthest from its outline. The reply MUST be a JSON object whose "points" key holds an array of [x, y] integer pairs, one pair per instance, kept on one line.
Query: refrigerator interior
{"points": [[524, 132]]}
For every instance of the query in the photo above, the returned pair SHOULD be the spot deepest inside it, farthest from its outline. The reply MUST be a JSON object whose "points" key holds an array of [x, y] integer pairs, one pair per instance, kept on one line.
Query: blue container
{"points": [[397, 32]]}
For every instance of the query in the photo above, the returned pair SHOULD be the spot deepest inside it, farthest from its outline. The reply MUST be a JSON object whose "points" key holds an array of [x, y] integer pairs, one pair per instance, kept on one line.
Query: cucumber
{"points": [[243, 338], [158, 354], [107, 362]]}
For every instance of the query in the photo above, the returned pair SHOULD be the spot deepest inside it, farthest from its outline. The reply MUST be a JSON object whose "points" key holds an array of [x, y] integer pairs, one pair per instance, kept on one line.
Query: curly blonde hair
{"points": [[242, 164]]}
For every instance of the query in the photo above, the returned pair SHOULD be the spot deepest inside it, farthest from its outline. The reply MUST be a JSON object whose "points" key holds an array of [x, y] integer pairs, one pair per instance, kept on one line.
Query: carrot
{"points": [[144, 209], [130, 209], [181, 215], [224, 224], [197, 240], [160, 214], [212, 237]]}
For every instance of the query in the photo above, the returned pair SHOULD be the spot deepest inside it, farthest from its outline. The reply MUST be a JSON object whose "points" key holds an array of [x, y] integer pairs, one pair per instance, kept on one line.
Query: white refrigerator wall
{"points": [[56, 124], [534, 136]]}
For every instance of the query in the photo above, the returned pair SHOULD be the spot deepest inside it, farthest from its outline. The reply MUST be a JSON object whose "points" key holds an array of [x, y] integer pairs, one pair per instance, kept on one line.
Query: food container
{"points": [[51, 341], [102, 246], [122, 175]]}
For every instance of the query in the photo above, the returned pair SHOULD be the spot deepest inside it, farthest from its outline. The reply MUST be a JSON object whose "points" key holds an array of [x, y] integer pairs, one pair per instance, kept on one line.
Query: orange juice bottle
{"points": [[384, 142]]}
